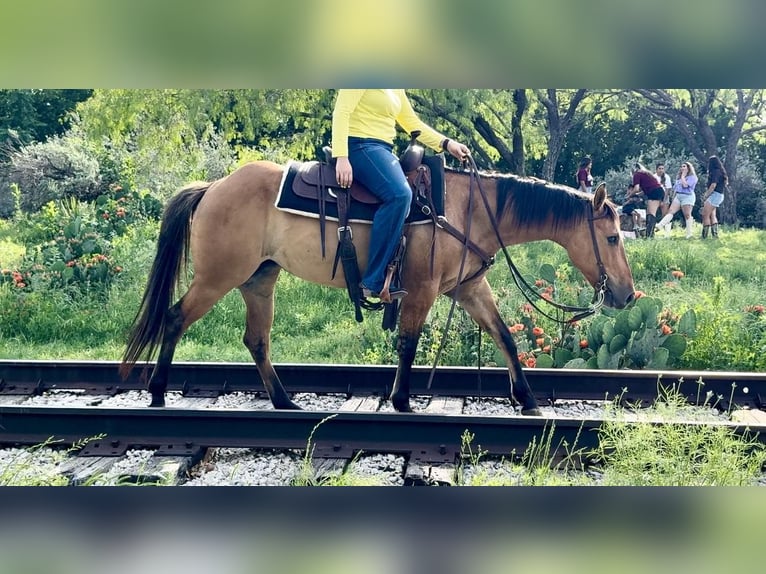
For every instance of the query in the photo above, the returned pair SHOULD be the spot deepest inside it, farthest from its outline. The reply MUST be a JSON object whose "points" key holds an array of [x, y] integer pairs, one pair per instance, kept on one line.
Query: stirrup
{"points": [[393, 293]]}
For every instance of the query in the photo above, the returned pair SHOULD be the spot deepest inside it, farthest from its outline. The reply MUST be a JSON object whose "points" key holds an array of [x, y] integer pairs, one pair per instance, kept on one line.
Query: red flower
{"points": [[639, 294], [531, 362], [666, 330], [583, 343], [677, 274], [537, 331]]}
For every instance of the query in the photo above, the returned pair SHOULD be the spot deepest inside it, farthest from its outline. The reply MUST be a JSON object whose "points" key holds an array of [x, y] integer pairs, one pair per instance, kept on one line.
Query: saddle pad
{"points": [[359, 212]]}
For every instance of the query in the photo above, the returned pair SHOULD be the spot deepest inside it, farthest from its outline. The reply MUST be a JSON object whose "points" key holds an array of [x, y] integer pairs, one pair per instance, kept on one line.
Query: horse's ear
{"points": [[599, 198]]}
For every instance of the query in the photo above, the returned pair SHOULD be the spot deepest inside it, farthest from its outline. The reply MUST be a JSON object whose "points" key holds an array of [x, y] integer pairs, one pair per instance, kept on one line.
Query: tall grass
{"points": [[648, 448]]}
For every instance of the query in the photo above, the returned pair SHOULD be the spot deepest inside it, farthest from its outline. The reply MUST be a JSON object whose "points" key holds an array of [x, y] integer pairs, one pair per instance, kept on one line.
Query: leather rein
{"points": [[529, 292]]}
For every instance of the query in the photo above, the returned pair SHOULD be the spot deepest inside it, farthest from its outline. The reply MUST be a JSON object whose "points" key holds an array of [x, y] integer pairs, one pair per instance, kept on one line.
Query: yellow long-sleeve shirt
{"points": [[374, 114]]}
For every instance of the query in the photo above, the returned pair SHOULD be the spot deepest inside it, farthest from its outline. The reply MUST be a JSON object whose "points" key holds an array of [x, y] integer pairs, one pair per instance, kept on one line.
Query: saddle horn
{"points": [[412, 156]]}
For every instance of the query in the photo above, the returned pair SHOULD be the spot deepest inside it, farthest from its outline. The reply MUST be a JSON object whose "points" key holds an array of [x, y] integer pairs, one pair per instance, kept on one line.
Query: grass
{"points": [[316, 324], [307, 476], [645, 449]]}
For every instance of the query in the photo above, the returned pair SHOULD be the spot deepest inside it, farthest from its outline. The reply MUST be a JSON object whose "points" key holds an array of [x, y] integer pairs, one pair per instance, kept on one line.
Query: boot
{"points": [[664, 224], [651, 221], [705, 230], [714, 230], [689, 228]]}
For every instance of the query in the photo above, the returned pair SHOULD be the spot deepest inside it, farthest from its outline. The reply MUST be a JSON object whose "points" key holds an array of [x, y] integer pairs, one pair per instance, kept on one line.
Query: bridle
{"points": [[529, 292], [526, 289]]}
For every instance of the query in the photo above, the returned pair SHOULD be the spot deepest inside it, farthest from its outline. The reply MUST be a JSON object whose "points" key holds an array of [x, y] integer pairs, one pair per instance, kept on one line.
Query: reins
{"points": [[526, 289]]}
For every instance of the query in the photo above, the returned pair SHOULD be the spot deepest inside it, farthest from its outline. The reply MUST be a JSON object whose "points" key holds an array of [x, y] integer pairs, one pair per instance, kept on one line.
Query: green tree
{"points": [[34, 115]]}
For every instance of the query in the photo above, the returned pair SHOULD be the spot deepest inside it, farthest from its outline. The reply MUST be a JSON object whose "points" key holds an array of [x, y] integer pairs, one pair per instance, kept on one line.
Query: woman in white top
{"points": [[684, 199]]}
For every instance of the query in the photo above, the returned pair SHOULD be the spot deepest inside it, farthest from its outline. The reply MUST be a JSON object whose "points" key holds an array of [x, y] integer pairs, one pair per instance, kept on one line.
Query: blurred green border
{"points": [[424, 43]]}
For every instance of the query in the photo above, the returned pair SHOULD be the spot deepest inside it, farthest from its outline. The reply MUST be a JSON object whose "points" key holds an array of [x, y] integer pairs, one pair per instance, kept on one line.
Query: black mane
{"points": [[536, 201]]}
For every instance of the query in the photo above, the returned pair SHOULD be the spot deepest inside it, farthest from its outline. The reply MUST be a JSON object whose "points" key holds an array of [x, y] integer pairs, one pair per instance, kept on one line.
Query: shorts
{"points": [[715, 199], [686, 198], [657, 194]]}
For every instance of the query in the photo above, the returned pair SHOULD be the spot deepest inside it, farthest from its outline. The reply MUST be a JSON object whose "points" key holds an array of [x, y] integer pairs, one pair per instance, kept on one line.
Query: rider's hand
{"points": [[343, 172], [458, 150]]}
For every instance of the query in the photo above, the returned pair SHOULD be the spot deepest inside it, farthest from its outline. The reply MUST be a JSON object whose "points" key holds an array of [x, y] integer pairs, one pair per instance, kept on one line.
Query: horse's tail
{"points": [[171, 259]]}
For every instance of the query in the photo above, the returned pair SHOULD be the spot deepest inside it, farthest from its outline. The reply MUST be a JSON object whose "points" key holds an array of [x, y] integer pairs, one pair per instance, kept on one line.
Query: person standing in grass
{"points": [[717, 181], [684, 199], [644, 180], [584, 177], [667, 184]]}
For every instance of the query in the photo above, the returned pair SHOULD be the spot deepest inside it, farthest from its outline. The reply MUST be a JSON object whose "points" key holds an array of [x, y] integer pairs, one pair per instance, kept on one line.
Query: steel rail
{"points": [[728, 389]]}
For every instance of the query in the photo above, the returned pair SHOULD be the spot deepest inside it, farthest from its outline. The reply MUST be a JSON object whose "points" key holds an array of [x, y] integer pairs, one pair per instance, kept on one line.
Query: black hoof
{"points": [[533, 412], [157, 402], [401, 406], [288, 406]]}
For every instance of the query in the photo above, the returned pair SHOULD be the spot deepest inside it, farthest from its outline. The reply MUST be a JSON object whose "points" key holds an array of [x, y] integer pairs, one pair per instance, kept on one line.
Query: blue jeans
{"points": [[377, 168]]}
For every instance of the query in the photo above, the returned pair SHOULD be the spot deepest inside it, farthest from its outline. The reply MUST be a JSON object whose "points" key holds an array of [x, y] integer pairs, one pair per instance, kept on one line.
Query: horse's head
{"points": [[597, 249]]}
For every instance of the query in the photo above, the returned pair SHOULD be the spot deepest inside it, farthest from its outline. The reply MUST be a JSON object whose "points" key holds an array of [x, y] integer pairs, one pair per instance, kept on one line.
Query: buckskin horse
{"points": [[238, 238]]}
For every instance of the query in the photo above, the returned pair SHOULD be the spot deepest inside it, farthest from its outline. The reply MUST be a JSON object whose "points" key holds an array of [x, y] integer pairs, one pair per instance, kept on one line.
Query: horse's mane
{"points": [[538, 202]]}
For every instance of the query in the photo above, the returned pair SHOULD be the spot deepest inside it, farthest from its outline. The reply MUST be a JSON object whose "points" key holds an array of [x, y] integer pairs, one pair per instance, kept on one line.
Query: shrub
{"points": [[63, 166]]}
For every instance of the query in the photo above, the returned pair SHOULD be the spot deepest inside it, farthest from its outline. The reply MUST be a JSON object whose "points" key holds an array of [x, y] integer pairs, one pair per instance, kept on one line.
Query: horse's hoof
{"points": [[288, 406], [402, 407], [533, 412], [157, 402]]}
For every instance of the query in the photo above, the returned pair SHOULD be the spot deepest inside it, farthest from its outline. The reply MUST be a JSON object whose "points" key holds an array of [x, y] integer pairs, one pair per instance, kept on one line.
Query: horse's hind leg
{"points": [[477, 300], [258, 293], [194, 304]]}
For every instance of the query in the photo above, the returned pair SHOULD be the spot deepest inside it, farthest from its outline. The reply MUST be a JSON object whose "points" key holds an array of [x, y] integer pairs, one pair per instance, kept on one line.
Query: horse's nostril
{"points": [[630, 298]]}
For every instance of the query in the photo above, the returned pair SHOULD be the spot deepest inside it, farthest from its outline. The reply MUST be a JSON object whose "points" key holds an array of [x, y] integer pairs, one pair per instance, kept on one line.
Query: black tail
{"points": [[171, 259]]}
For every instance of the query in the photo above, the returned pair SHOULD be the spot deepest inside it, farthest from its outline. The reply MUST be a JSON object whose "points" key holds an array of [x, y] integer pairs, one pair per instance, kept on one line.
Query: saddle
{"points": [[316, 180]]}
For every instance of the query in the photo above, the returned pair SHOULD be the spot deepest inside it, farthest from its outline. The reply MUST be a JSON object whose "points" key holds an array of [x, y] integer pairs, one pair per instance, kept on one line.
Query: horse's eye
{"points": [[613, 239]]}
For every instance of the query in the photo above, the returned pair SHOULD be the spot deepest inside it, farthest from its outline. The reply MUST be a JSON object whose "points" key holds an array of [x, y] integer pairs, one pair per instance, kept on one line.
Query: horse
{"points": [[238, 238]]}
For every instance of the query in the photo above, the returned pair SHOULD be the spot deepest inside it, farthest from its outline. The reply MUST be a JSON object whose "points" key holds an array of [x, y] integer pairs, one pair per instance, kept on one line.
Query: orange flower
{"points": [[540, 341], [583, 343], [639, 294], [666, 330], [677, 274], [547, 349], [531, 362], [537, 331], [516, 328], [539, 283]]}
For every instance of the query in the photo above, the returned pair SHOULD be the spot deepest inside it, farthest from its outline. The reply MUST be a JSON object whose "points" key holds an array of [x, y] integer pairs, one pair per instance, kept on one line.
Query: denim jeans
{"points": [[377, 168]]}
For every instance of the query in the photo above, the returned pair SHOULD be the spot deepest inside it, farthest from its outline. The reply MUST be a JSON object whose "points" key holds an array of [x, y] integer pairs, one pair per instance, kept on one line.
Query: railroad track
{"points": [[197, 418]]}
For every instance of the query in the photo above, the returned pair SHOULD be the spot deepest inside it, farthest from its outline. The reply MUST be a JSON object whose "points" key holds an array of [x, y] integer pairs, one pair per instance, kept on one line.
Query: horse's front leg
{"points": [[411, 320], [477, 299], [406, 347]]}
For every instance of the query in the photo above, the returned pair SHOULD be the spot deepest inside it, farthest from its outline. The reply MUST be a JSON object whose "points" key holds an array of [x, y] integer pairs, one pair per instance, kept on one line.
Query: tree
{"points": [[35, 115]]}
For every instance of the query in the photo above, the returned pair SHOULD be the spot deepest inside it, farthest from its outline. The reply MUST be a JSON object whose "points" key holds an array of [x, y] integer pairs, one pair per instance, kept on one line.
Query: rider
{"points": [[363, 131]]}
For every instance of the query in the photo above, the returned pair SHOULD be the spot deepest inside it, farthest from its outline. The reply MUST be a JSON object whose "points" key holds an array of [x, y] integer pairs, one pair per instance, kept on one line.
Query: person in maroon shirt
{"points": [[644, 180], [584, 178]]}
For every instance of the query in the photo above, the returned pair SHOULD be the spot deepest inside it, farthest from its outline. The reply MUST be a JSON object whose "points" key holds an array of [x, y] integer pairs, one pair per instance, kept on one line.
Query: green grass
{"points": [[316, 324], [634, 450]]}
